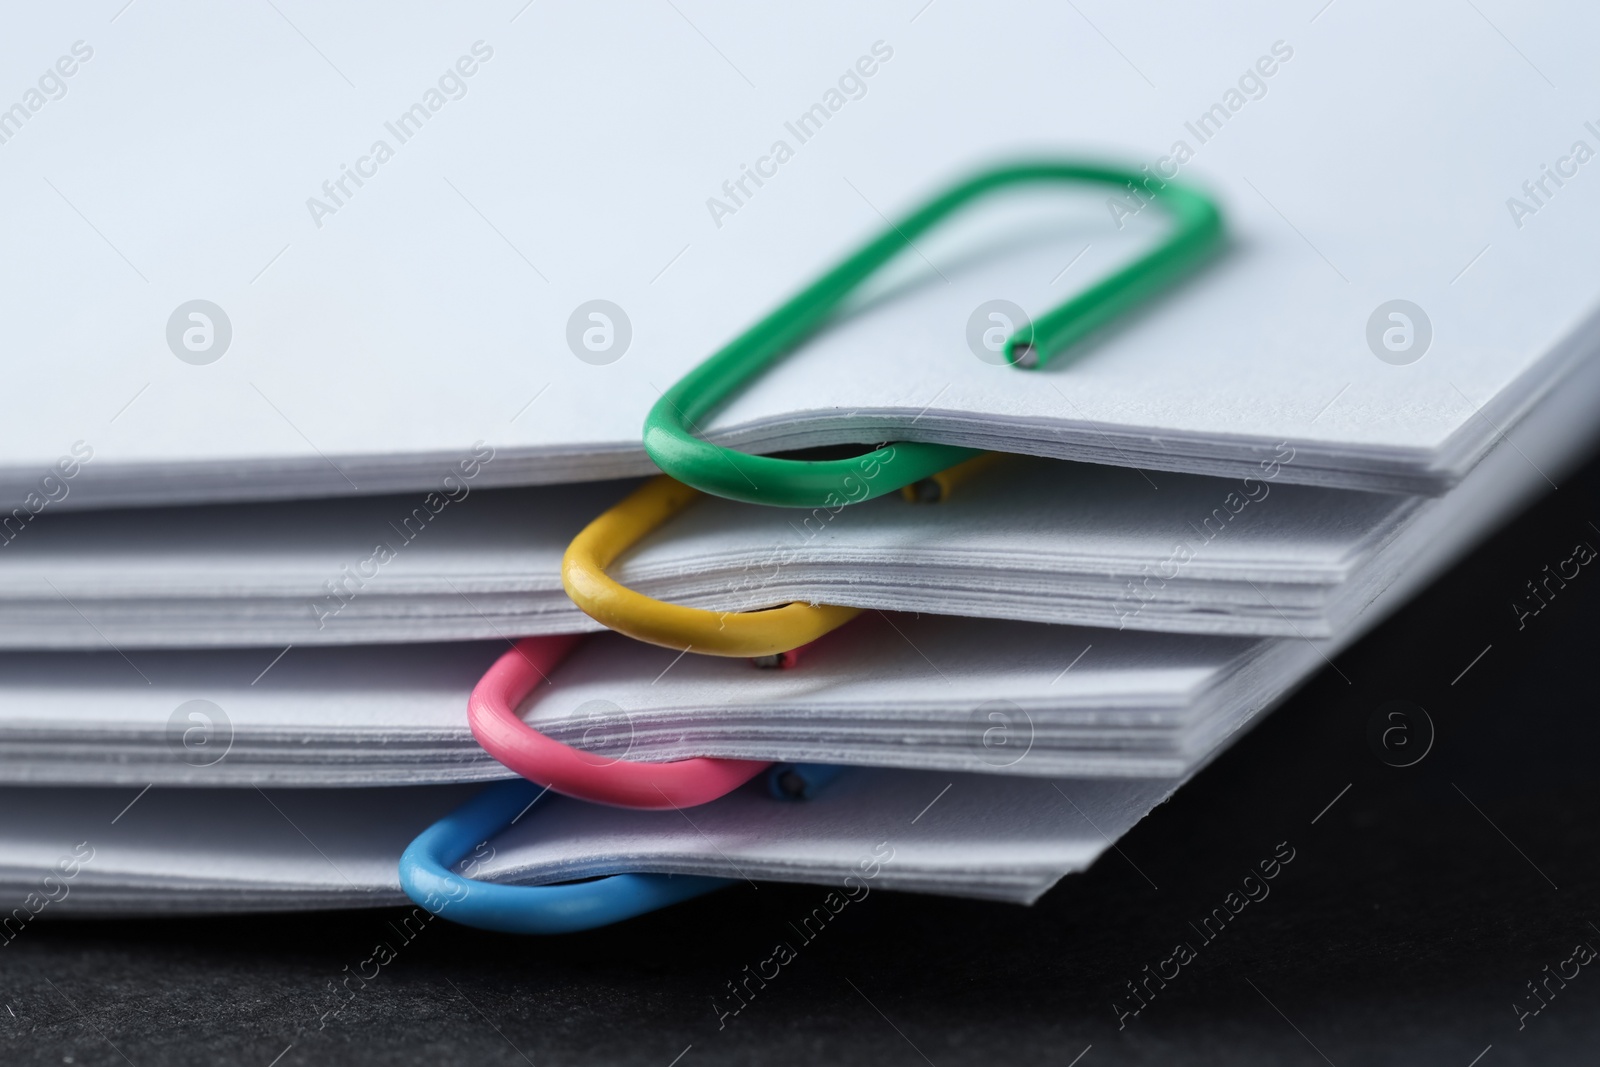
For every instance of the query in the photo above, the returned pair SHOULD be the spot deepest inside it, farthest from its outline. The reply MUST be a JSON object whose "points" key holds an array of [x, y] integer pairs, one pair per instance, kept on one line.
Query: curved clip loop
{"points": [[427, 878], [763, 633], [492, 714], [1197, 233]]}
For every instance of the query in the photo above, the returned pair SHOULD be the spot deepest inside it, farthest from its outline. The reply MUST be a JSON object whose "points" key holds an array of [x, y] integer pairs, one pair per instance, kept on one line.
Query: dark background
{"points": [[1415, 911]]}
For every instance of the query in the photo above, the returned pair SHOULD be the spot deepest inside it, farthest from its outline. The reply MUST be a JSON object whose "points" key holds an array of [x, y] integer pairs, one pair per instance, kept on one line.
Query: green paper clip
{"points": [[1197, 233]]}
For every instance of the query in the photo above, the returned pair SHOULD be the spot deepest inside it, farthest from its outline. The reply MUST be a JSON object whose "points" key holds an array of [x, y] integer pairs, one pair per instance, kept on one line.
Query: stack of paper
{"points": [[366, 301], [893, 691], [1028, 539], [210, 850], [914, 692], [896, 691], [1034, 539], [375, 335]]}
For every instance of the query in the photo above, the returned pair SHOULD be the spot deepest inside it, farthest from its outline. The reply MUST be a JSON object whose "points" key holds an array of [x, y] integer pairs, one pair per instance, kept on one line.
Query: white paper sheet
{"points": [[189, 851], [371, 347]]}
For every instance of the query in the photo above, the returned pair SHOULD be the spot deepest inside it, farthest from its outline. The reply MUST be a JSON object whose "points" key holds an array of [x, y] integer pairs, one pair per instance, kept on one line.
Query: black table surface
{"points": [[1444, 872]]}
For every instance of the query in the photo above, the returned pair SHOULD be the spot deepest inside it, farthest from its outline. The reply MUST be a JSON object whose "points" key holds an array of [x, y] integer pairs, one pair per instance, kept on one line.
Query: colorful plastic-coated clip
{"points": [[427, 875], [769, 635], [937, 488], [1196, 234], [716, 633], [492, 715]]}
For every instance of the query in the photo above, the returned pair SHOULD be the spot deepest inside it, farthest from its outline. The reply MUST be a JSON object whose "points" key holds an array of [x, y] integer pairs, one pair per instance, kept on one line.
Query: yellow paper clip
{"points": [[766, 632], [936, 488], [763, 635]]}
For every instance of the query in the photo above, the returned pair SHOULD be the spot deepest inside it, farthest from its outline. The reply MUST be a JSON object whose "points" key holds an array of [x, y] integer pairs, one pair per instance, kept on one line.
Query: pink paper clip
{"points": [[492, 715]]}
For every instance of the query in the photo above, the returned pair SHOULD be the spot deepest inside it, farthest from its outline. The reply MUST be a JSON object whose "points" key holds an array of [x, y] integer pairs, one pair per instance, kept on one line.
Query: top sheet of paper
{"points": [[395, 224]]}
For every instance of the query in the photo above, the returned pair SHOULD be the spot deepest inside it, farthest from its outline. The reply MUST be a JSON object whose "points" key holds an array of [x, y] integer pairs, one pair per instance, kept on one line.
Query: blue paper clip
{"points": [[428, 878]]}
